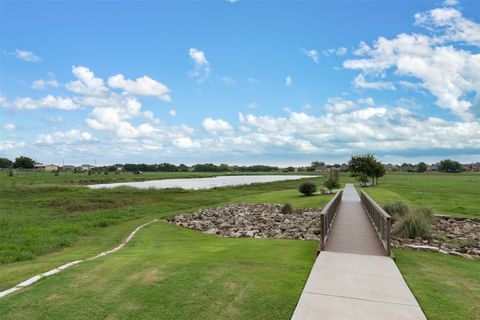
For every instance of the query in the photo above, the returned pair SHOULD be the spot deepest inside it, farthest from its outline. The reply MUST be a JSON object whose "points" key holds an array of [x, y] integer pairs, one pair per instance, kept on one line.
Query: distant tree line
{"points": [[202, 167], [20, 162]]}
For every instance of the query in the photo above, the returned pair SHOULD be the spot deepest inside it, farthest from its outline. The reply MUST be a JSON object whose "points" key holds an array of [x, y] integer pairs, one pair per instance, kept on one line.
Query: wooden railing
{"points": [[327, 217], [380, 219]]}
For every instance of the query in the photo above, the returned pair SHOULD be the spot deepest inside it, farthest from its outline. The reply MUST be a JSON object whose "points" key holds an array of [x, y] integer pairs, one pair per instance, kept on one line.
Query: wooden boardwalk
{"points": [[353, 278], [352, 231]]}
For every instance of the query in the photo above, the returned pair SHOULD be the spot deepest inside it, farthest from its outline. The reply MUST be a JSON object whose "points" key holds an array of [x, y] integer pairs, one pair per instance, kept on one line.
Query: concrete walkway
{"points": [[353, 278]]}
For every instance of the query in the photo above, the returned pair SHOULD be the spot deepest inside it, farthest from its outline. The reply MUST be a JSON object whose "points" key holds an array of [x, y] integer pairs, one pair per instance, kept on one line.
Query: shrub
{"points": [[287, 208], [331, 184], [10, 173], [307, 188]]}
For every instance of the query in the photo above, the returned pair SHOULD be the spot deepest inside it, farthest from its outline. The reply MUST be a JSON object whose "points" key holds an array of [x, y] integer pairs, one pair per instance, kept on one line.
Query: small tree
{"points": [[448, 165], [422, 167], [307, 188], [24, 162], [5, 163], [331, 184]]}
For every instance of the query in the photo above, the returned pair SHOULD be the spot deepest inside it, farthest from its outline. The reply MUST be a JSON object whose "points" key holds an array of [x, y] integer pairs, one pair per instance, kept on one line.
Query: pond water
{"points": [[200, 183]]}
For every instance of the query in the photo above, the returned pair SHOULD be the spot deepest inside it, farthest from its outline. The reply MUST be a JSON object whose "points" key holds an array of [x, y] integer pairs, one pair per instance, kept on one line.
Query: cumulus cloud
{"points": [[41, 84], [448, 24], [87, 83], [361, 82], [451, 75], [143, 86], [312, 54], [201, 69], [227, 80], [367, 101], [216, 125], [172, 112], [69, 137], [47, 102], [26, 55], [339, 105], [288, 81]]}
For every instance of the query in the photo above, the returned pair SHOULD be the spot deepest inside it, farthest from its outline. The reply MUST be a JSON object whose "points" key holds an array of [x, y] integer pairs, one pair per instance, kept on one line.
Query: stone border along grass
{"points": [[34, 279]]}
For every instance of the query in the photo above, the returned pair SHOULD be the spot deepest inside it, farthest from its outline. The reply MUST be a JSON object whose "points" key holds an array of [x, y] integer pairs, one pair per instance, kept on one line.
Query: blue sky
{"points": [[243, 82]]}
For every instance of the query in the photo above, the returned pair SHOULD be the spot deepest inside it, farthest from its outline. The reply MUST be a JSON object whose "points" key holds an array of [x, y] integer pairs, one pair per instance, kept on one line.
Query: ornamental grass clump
{"points": [[396, 210], [415, 224]]}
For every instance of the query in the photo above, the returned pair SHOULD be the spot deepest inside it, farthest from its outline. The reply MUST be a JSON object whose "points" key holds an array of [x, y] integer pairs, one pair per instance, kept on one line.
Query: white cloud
{"points": [[450, 2], [11, 145], [183, 143], [335, 51], [253, 80], [9, 126], [143, 86], [448, 24], [87, 83], [172, 112], [70, 137], [451, 75], [312, 54], [368, 101], [361, 82], [339, 105], [216, 125], [288, 81], [202, 69], [42, 84], [47, 102], [26, 55]]}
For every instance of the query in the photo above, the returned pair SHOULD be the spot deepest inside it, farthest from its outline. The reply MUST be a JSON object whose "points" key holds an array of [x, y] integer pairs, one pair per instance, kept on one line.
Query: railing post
{"points": [[389, 225]]}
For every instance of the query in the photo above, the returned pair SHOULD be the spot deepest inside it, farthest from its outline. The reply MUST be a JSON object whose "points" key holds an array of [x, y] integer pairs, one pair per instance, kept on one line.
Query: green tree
{"points": [[367, 165], [422, 167], [24, 162], [362, 178], [5, 163], [331, 184], [448, 165]]}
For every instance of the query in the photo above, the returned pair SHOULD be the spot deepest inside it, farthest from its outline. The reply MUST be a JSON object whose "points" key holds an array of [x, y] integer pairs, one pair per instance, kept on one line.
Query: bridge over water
{"points": [[354, 276]]}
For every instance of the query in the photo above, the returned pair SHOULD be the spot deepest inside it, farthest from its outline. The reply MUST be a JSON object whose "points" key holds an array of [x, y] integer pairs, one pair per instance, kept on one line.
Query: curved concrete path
{"points": [[353, 278]]}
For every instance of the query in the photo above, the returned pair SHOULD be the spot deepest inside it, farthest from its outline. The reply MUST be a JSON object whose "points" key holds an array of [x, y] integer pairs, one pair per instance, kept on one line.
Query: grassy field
{"points": [[43, 225], [168, 272], [172, 273], [453, 194], [446, 287]]}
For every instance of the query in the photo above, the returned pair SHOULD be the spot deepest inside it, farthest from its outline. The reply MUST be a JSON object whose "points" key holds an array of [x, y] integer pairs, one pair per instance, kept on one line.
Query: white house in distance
{"points": [[47, 167]]}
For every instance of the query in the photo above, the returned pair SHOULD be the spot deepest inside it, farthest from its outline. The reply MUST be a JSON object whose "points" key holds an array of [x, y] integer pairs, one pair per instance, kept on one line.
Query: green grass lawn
{"points": [[44, 225], [453, 194], [446, 287], [168, 272]]}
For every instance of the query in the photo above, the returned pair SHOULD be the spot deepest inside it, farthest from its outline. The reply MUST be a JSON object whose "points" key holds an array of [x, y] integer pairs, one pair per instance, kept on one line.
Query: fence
{"points": [[380, 219], [327, 217]]}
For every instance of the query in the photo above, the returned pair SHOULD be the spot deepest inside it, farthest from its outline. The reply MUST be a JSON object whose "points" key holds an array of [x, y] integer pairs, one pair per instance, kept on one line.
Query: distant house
{"points": [[47, 167], [86, 167], [472, 167], [432, 167], [68, 167], [391, 167], [321, 169]]}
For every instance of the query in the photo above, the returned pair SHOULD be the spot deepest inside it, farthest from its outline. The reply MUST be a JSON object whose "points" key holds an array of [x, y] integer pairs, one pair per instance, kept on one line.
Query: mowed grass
{"points": [[446, 287], [168, 272], [44, 225], [453, 194]]}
